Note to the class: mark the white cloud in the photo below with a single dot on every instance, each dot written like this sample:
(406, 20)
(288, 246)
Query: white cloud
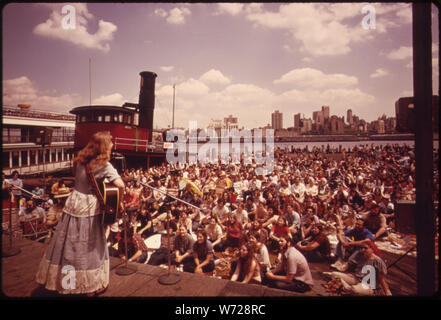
(253, 104)
(328, 29)
(175, 15)
(114, 99)
(319, 28)
(192, 88)
(379, 73)
(161, 12)
(253, 7)
(405, 14)
(22, 90)
(233, 8)
(313, 78)
(400, 54)
(167, 68)
(79, 35)
(307, 59)
(313, 89)
(214, 77)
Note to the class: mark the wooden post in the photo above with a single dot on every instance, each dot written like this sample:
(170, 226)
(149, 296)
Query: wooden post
(422, 84)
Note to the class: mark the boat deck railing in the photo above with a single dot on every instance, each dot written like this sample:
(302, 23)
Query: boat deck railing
(17, 112)
(133, 144)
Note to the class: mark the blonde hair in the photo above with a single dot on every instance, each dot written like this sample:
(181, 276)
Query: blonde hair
(97, 150)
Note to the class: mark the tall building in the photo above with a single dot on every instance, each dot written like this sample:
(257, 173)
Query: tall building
(381, 126)
(349, 117)
(318, 117)
(231, 122)
(337, 125)
(325, 110)
(306, 125)
(277, 120)
(298, 120)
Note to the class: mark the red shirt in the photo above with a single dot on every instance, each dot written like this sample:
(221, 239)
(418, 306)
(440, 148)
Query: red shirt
(280, 231)
(132, 199)
(234, 230)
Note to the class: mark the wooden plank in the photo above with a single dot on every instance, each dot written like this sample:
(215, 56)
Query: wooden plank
(189, 285)
(18, 272)
(18, 275)
(235, 289)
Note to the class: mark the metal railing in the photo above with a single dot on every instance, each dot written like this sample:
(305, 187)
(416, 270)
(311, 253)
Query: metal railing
(133, 144)
(14, 111)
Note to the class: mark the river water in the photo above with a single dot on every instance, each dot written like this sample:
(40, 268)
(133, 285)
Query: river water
(347, 144)
(333, 145)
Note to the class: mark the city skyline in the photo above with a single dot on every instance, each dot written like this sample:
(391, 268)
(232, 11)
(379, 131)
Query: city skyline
(242, 59)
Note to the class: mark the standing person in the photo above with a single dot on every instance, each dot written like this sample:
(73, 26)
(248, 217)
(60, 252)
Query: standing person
(293, 272)
(15, 181)
(79, 241)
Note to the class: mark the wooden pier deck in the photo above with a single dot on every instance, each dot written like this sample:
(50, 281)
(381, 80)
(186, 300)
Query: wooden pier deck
(18, 274)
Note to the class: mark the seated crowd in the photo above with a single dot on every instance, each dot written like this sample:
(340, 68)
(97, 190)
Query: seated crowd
(273, 225)
(287, 214)
(38, 211)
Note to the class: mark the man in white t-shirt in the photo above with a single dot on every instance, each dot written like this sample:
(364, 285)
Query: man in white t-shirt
(241, 214)
(298, 189)
(221, 211)
(214, 233)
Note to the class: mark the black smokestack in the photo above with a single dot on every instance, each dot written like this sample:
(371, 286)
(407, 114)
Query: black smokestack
(147, 100)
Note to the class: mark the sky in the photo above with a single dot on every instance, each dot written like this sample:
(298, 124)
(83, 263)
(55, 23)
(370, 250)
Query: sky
(245, 60)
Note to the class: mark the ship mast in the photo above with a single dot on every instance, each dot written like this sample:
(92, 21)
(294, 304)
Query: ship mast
(90, 81)
(173, 118)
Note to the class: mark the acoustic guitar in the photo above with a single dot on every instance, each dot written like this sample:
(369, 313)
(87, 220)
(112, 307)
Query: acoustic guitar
(112, 197)
(108, 195)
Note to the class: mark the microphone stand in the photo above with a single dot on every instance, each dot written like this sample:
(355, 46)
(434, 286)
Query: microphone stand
(11, 251)
(169, 278)
(125, 270)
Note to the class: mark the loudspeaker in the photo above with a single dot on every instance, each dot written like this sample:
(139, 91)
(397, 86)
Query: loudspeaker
(405, 216)
(43, 135)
